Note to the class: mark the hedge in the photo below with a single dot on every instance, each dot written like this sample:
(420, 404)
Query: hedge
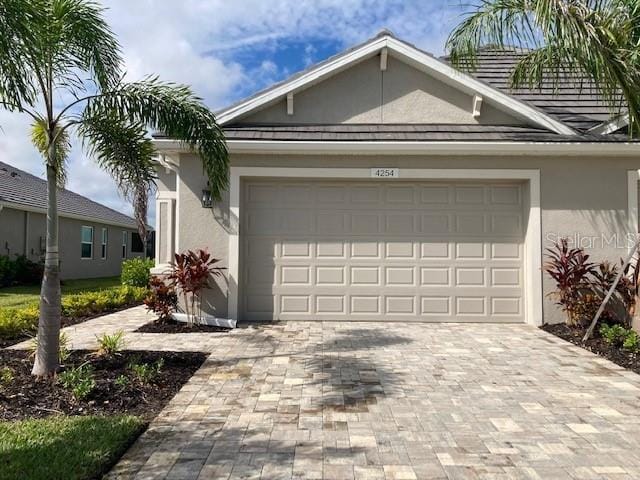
(16, 321)
(136, 272)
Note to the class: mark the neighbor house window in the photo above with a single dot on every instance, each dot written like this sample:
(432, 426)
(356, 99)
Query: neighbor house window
(87, 242)
(136, 243)
(103, 246)
(124, 244)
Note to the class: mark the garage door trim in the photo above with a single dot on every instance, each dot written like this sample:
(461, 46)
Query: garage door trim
(532, 243)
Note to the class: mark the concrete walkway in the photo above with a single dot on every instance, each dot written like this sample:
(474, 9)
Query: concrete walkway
(386, 401)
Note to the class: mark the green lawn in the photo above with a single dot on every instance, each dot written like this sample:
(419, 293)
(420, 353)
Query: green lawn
(64, 447)
(23, 296)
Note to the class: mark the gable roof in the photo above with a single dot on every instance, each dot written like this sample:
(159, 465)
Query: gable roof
(409, 54)
(575, 101)
(21, 189)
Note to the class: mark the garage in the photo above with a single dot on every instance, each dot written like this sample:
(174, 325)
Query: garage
(382, 250)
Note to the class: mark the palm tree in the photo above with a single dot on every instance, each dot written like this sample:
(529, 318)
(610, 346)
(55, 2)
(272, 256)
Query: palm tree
(61, 64)
(599, 39)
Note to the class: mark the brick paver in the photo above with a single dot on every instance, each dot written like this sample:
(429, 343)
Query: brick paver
(387, 401)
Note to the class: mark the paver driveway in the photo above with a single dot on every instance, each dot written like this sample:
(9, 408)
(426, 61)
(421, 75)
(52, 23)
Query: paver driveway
(371, 400)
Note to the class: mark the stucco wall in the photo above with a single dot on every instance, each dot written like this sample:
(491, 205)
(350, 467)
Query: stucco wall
(400, 94)
(12, 231)
(579, 198)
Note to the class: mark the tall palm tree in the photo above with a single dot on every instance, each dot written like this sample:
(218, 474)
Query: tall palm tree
(599, 39)
(61, 64)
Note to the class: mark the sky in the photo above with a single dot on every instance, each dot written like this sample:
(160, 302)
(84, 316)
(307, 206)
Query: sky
(227, 50)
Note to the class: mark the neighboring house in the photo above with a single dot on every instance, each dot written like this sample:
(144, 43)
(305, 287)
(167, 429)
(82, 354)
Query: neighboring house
(93, 239)
(383, 184)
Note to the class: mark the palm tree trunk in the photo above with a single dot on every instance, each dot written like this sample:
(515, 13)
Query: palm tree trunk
(46, 361)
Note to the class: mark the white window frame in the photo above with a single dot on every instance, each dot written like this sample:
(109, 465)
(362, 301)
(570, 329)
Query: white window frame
(104, 241)
(532, 243)
(82, 242)
(125, 235)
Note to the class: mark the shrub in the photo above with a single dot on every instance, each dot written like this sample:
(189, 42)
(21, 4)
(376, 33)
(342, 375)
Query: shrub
(570, 268)
(18, 321)
(122, 381)
(136, 272)
(79, 380)
(190, 273)
(21, 271)
(110, 345)
(91, 303)
(162, 299)
(146, 373)
(614, 334)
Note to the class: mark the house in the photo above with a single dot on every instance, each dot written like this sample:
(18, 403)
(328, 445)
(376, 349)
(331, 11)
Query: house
(94, 239)
(383, 184)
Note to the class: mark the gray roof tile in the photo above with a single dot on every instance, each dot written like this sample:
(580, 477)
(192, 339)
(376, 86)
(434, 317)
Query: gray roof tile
(22, 188)
(407, 132)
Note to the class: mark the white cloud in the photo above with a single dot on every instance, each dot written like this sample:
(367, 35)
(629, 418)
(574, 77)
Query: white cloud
(198, 42)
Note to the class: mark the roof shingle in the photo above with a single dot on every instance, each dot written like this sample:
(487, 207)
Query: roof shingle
(22, 188)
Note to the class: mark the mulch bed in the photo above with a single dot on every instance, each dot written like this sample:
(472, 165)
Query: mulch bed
(172, 326)
(64, 322)
(27, 397)
(597, 345)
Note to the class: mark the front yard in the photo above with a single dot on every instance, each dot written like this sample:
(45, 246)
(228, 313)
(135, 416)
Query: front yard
(25, 295)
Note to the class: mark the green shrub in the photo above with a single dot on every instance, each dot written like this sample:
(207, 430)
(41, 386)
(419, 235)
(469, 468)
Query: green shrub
(17, 321)
(20, 271)
(136, 272)
(92, 303)
(614, 334)
(79, 380)
(110, 345)
(122, 381)
(631, 342)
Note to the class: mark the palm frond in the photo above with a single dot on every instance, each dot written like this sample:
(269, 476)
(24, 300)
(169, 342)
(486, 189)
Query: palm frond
(564, 40)
(175, 111)
(79, 38)
(61, 145)
(17, 85)
(121, 148)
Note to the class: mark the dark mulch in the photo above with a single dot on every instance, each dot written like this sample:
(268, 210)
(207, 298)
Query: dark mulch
(597, 345)
(172, 326)
(27, 397)
(64, 322)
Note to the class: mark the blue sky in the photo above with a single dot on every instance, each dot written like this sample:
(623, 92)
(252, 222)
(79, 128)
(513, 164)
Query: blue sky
(229, 49)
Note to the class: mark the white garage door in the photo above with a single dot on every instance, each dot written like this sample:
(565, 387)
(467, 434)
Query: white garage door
(393, 250)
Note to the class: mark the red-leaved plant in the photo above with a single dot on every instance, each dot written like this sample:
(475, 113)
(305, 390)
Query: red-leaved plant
(162, 299)
(570, 268)
(190, 273)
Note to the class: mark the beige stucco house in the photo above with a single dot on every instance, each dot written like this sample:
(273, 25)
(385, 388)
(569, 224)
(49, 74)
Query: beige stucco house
(93, 239)
(383, 184)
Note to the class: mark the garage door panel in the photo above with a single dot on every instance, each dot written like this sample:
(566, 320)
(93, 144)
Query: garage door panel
(414, 251)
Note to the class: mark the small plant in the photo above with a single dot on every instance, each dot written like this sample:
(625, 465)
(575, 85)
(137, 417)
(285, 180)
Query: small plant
(146, 373)
(7, 376)
(162, 299)
(64, 350)
(109, 345)
(190, 273)
(136, 272)
(631, 342)
(79, 380)
(614, 334)
(122, 381)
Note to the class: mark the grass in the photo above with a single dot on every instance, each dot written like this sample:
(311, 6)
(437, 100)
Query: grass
(65, 447)
(26, 295)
